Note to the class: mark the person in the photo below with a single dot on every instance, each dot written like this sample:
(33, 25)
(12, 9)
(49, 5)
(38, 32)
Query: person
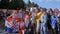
(8, 13)
(49, 14)
(54, 21)
(38, 14)
(43, 21)
(8, 24)
(21, 27)
(13, 24)
(32, 17)
(27, 21)
(16, 20)
(56, 10)
(20, 13)
(2, 16)
(58, 23)
(58, 14)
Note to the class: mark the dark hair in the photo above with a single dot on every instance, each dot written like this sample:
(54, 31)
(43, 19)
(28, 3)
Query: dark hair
(51, 10)
(44, 9)
(59, 17)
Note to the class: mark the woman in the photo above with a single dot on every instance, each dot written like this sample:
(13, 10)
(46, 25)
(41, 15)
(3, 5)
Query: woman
(49, 14)
(21, 27)
(26, 18)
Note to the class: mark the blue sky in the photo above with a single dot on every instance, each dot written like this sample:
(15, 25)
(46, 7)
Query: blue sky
(47, 3)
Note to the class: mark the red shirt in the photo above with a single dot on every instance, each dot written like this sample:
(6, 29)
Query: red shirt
(26, 17)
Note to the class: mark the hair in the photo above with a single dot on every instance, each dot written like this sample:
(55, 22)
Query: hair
(44, 9)
(59, 17)
(26, 12)
(51, 10)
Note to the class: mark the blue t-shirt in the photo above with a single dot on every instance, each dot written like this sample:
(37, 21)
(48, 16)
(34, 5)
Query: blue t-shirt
(20, 15)
(53, 21)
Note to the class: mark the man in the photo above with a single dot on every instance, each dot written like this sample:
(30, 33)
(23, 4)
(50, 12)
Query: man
(26, 19)
(43, 21)
(56, 10)
(54, 19)
(32, 17)
(8, 24)
(20, 13)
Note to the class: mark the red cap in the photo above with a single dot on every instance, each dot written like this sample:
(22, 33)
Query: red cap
(56, 9)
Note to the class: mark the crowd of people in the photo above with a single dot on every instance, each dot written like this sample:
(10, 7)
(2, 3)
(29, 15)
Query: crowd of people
(32, 20)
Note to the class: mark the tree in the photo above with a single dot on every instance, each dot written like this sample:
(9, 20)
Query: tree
(29, 3)
(4, 4)
(36, 5)
(12, 4)
(17, 4)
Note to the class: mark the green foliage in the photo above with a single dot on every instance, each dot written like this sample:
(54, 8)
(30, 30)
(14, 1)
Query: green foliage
(4, 3)
(13, 4)
(17, 4)
(29, 3)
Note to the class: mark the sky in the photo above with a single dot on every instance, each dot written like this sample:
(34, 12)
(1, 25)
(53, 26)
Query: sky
(47, 3)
